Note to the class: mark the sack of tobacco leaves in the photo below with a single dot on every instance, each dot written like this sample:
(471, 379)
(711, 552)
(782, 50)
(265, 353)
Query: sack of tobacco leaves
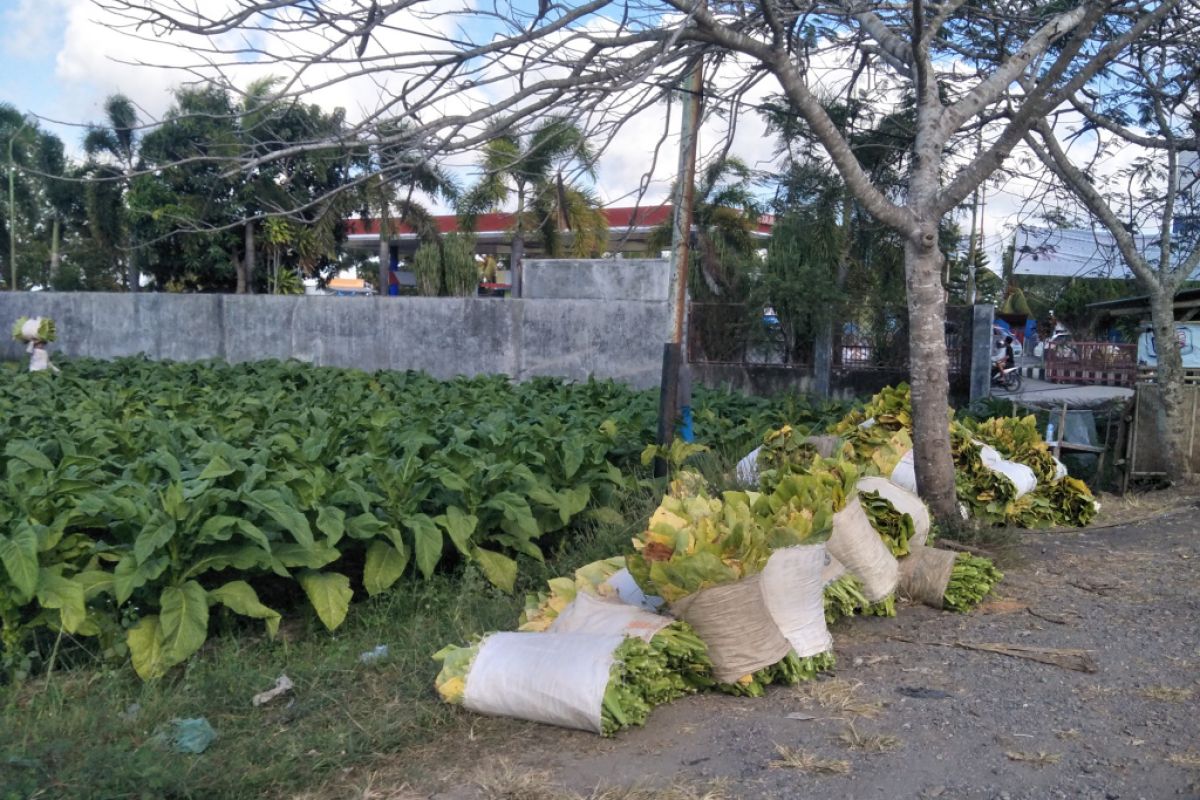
(597, 683)
(899, 516)
(945, 579)
(706, 557)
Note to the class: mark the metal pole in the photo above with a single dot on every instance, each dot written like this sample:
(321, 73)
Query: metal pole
(685, 191)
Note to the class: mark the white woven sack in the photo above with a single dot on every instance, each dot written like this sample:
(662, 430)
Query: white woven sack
(588, 614)
(1060, 469)
(628, 591)
(904, 474)
(746, 471)
(555, 678)
(902, 500)
(855, 543)
(832, 570)
(29, 331)
(793, 591)
(1021, 476)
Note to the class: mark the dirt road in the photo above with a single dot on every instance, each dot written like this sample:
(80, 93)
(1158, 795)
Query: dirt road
(912, 714)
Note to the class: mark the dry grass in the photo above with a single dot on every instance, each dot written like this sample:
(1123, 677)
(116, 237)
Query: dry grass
(1069, 733)
(1168, 694)
(840, 696)
(504, 782)
(1039, 759)
(1190, 759)
(808, 763)
(868, 742)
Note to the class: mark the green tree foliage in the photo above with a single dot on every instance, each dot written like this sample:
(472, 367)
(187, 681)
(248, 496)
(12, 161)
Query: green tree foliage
(532, 167)
(460, 273)
(427, 269)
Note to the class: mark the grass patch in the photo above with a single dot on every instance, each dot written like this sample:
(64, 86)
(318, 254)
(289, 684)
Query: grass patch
(504, 782)
(86, 733)
(808, 763)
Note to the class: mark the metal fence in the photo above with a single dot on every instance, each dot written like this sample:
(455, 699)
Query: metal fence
(1102, 363)
(871, 339)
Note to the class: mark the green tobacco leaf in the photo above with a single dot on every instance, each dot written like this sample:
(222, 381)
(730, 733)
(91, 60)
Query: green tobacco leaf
(517, 514)
(146, 648)
(572, 457)
(427, 542)
(183, 615)
(365, 526)
(217, 468)
(460, 525)
(329, 593)
(499, 569)
(55, 591)
(240, 598)
(23, 451)
(157, 532)
(95, 582)
(173, 501)
(242, 557)
(315, 557)
(384, 566)
(18, 553)
(291, 520)
(331, 522)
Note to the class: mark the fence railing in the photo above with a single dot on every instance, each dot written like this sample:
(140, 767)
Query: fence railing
(875, 339)
(1102, 363)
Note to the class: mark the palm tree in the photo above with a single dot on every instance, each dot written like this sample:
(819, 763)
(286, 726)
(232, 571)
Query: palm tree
(533, 168)
(112, 151)
(400, 173)
(724, 215)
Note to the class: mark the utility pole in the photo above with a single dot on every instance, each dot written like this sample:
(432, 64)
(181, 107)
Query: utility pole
(685, 189)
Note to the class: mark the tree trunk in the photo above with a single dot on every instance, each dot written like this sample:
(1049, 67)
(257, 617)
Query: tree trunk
(1170, 423)
(823, 342)
(55, 233)
(248, 276)
(929, 374)
(518, 244)
(385, 250)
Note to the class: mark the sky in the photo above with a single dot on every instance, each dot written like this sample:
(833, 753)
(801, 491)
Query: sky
(59, 60)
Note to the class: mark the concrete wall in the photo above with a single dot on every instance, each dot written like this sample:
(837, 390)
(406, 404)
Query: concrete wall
(597, 279)
(570, 338)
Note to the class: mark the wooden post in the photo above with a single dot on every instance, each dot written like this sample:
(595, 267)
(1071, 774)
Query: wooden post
(1061, 432)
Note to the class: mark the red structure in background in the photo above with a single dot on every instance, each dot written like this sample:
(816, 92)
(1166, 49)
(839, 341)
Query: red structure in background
(629, 229)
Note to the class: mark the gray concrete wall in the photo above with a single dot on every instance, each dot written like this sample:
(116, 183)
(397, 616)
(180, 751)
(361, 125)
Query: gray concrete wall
(570, 338)
(597, 279)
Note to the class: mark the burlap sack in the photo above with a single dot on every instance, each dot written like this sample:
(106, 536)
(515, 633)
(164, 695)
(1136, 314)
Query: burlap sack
(734, 622)
(855, 543)
(904, 501)
(925, 574)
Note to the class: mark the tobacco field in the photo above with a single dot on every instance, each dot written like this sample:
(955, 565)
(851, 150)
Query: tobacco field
(139, 500)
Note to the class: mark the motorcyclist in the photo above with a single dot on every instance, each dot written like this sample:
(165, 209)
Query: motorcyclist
(1003, 359)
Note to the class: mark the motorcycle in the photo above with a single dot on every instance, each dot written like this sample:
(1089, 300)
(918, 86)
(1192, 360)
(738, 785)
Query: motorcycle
(1007, 378)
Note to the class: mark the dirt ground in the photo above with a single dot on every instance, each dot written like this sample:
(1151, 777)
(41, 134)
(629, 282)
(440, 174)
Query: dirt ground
(911, 713)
